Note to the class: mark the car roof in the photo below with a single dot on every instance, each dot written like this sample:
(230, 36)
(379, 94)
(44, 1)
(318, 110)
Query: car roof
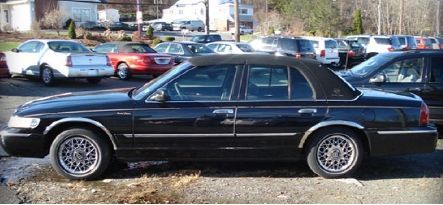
(317, 38)
(326, 81)
(228, 42)
(52, 40)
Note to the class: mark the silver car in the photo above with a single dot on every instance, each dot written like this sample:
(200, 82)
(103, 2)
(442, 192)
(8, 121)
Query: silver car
(192, 25)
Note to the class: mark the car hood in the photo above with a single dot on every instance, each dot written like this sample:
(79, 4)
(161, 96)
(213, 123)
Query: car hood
(79, 101)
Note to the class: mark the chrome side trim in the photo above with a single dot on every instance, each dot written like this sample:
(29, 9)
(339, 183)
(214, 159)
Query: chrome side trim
(265, 134)
(395, 132)
(7, 134)
(181, 135)
(80, 119)
(324, 124)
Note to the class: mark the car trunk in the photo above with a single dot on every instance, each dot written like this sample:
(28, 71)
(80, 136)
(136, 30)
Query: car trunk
(85, 59)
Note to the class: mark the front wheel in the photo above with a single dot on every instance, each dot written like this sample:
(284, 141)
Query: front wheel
(123, 72)
(334, 153)
(80, 154)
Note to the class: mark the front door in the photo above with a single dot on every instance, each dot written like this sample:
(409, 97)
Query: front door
(278, 106)
(196, 121)
(26, 60)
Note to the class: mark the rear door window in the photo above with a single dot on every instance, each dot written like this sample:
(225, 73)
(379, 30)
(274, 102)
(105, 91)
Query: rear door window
(436, 70)
(175, 49)
(267, 83)
(305, 46)
(162, 47)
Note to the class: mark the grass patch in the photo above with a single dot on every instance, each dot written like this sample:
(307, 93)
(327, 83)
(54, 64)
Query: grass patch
(247, 38)
(7, 46)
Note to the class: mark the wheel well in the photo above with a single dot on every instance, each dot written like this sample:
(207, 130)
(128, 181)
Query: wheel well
(361, 135)
(52, 134)
(42, 66)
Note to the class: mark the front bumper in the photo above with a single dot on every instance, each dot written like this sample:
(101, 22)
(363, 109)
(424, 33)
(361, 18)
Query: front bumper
(22, 143)
(398, 142)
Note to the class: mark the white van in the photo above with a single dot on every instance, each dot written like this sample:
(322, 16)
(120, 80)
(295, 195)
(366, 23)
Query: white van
(326, 50)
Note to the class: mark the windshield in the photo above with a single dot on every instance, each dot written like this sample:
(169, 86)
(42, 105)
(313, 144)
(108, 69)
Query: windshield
(67, 47)
(245, 48)
(198, 48)
(198, 38)
(370, 65)
(157, 82)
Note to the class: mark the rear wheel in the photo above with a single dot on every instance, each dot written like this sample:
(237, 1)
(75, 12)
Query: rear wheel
(80, 154)
(334, 153)
(93, 80)
(47, 76)
(200, 29)
(123, 71)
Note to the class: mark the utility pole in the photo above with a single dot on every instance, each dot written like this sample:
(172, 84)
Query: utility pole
(438, 17)
(237, 21)
(267, 19)
(156, 5)
(379, 18)
(207, 17)
(400, 23)
(139, 17)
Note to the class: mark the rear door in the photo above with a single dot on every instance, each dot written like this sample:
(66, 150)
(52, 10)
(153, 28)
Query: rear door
(433, 92)
(277, 105)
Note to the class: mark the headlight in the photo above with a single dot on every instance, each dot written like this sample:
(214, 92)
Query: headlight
(23, 122)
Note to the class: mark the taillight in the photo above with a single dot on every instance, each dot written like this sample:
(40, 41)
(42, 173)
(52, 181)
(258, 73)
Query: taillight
(424, 114)
(390, 49)
(69, 61)
(351, 53)
(297, 55)
(322, 53)
(108, 61)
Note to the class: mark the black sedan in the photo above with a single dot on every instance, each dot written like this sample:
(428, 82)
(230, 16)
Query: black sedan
(183, 50)
(223, 107)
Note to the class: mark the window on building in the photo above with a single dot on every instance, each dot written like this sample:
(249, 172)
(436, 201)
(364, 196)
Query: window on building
(244, 11)
(7, 16)
(81, 14)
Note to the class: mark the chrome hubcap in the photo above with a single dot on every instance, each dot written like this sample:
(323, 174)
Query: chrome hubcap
(78, 155)
(47, 75)
(122, 72)
(335, 153)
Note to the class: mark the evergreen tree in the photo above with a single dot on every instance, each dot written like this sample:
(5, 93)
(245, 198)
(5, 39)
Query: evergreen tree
(358, 23)
(71, 30)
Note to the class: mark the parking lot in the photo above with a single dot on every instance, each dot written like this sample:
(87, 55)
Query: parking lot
(405, 179)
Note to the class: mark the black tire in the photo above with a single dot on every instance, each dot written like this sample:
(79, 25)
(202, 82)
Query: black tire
(94, 142)
(199, 29)
(320, 140)
(123, 71)
(47, 76)
(94, 80)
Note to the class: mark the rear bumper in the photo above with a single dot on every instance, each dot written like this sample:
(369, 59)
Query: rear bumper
(397, 142)
(84, 72)
(17, 142)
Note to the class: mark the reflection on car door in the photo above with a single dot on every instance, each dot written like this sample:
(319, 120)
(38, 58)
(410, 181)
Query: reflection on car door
(277, 106)
(198, 117)
(403, 75)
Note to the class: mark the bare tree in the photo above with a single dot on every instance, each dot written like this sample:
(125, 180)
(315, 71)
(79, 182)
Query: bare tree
(53, 20)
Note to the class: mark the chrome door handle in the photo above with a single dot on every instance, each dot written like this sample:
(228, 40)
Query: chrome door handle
(223, 111)
(307, 111)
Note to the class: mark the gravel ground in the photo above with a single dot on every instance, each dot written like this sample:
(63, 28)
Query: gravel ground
(406, 179)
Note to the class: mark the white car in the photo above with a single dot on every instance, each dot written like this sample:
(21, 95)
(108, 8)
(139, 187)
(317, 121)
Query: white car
(326, 50)
(243, 30)
(227, 47)
(51, 59)
(382, 44)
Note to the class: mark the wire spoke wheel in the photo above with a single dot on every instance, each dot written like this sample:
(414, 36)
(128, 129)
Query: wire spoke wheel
(78, 155)
(336, 153)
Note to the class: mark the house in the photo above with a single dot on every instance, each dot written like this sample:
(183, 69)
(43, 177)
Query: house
(20, 14)
(221, 13)
(109, 15)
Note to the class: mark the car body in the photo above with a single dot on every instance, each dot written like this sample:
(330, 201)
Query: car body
(131, 58)
(52, 59)
(437, 43)
(183, 50)
(415, 71)
(407, 42)
(191, 25)
(381, 44)
(284, 46)
(92, 26)
(423, 42)
(162, 26)
(223, 107)
(117, 26)
(351, 52)
(4, 71)
(224, 47)
(243, 30)
(326, 50)
(206, 38)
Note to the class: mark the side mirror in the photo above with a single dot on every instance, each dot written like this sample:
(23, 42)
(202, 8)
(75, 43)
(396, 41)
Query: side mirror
(93, 50)
(160, 96)
(379, 78)
(15, 50)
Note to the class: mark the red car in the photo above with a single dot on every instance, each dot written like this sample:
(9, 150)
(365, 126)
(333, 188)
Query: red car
(4, 72)
(423, 43)
(131, 58)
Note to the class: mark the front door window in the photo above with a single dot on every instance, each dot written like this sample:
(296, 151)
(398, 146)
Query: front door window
(404, 71)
